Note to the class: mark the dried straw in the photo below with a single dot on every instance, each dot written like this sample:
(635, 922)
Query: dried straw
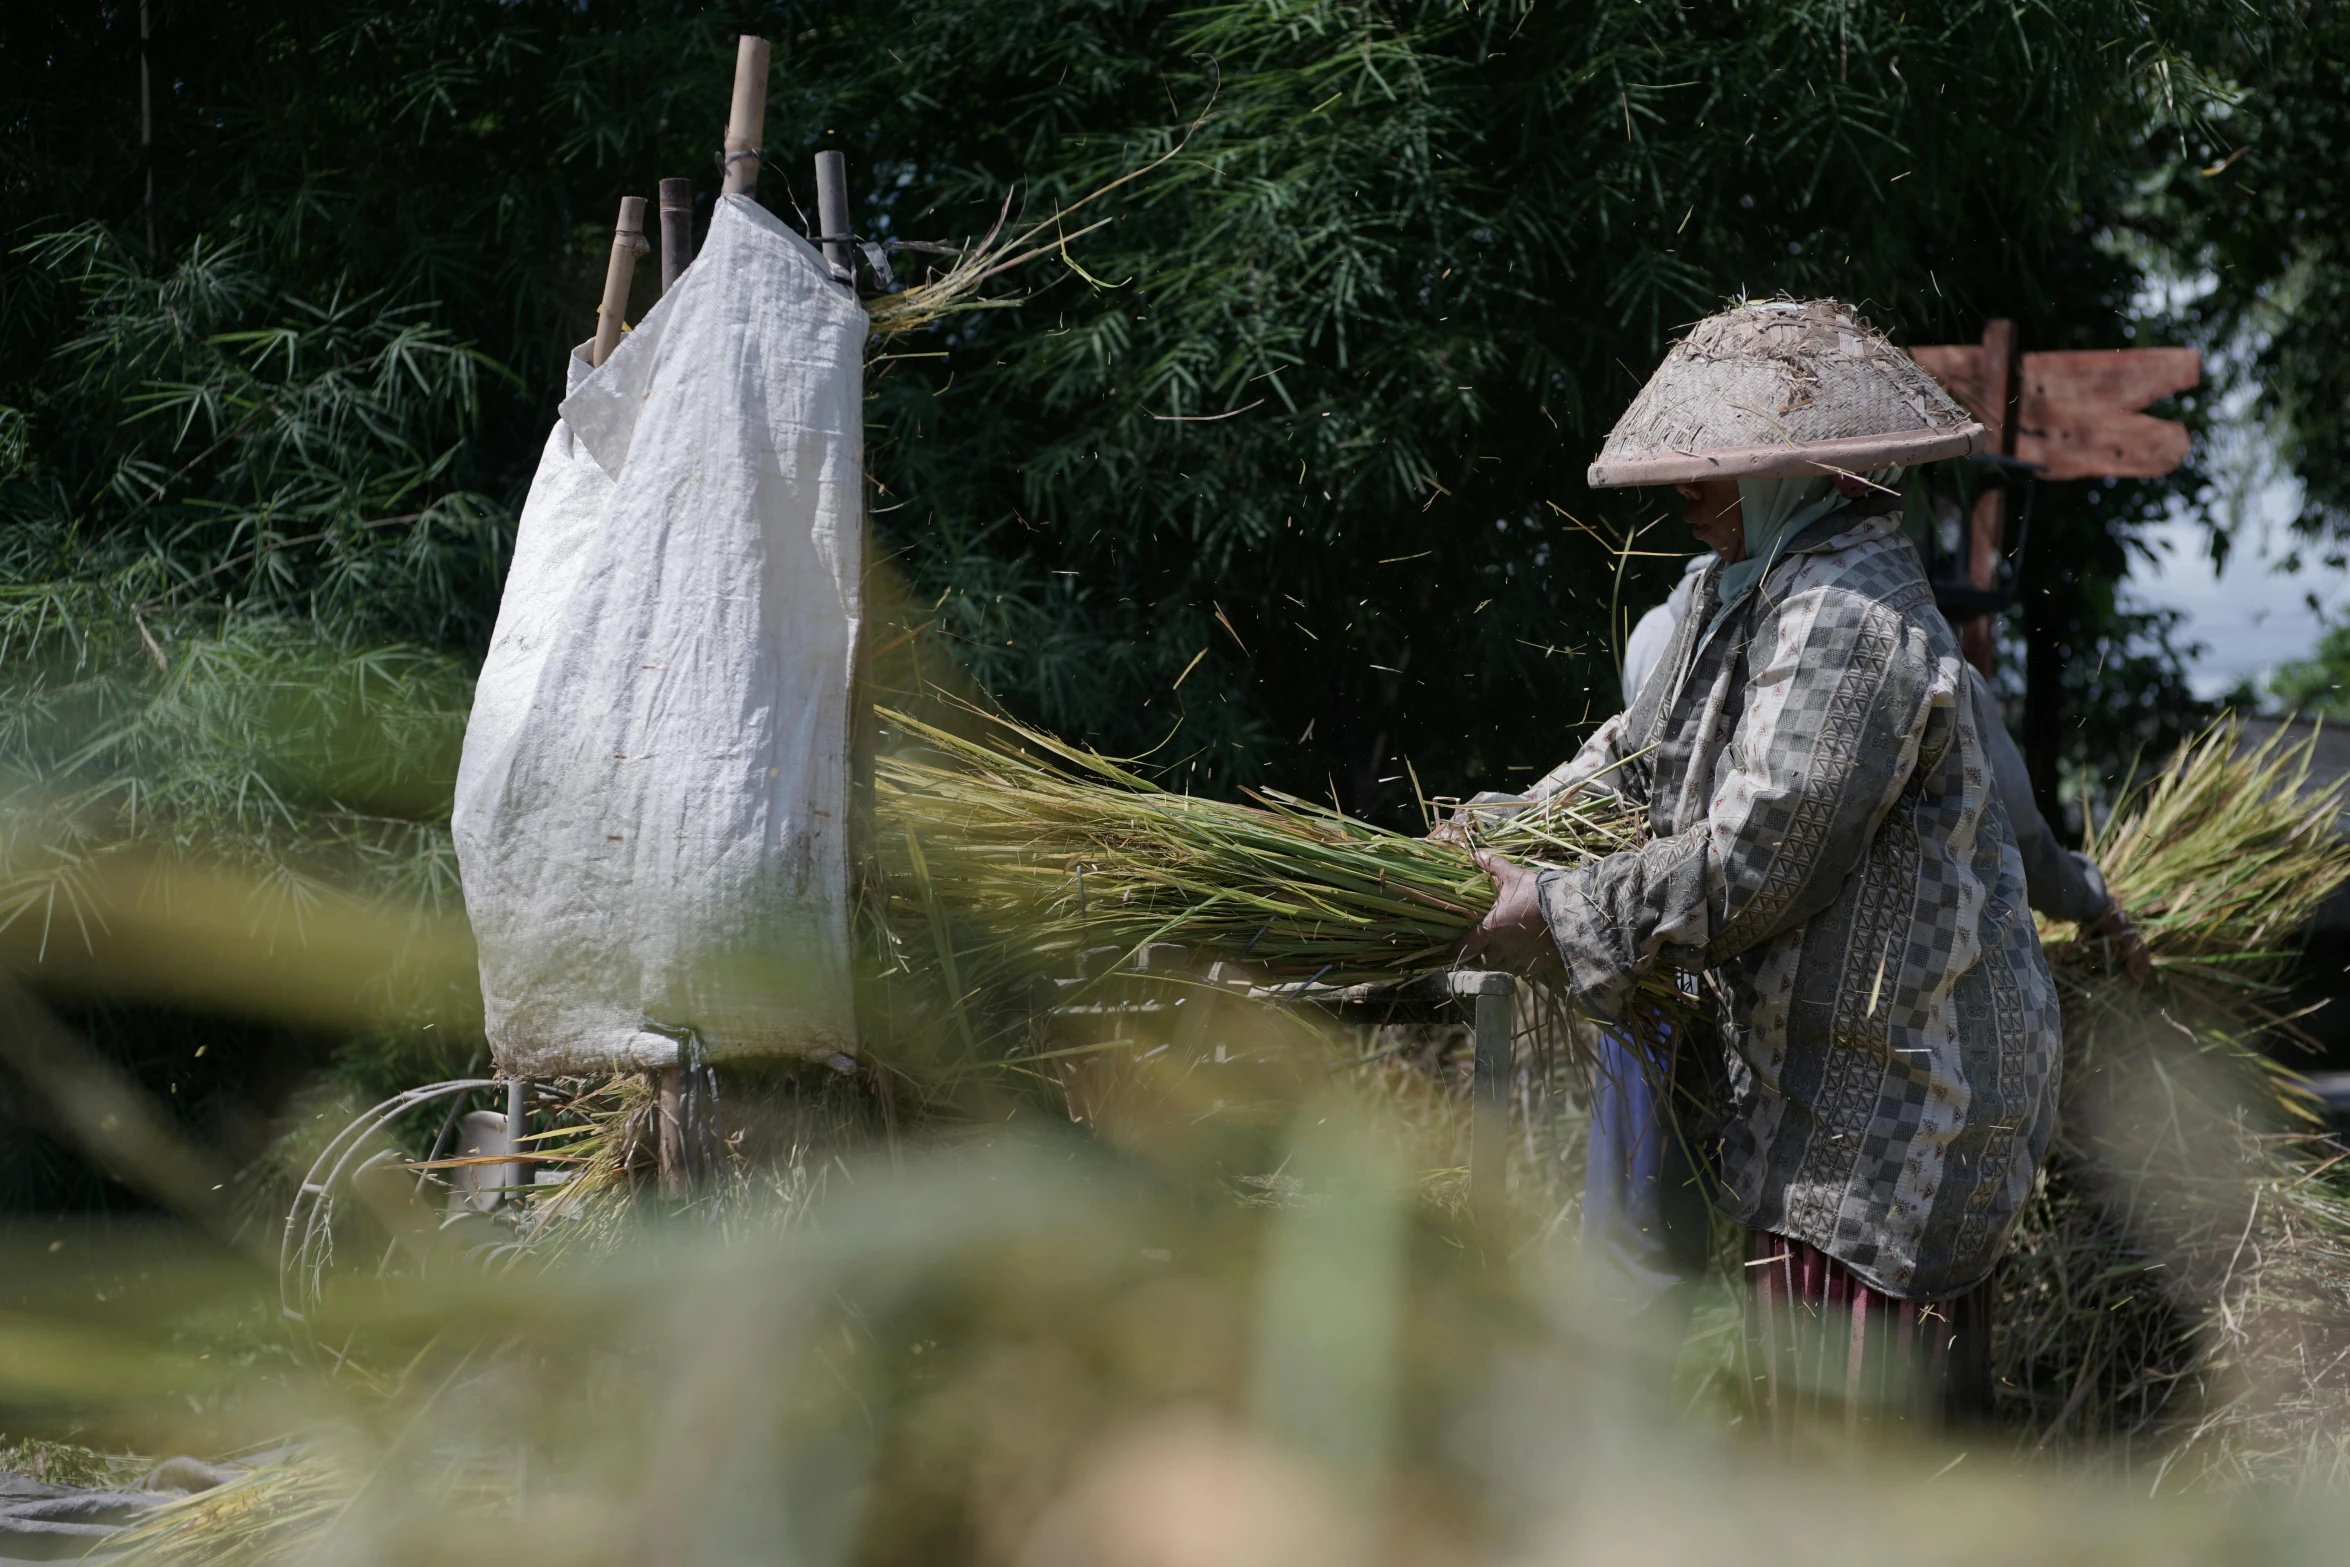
(278, 1513)
(962, 286)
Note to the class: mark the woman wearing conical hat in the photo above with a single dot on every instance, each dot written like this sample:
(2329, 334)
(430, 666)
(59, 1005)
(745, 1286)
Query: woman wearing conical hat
(1824, 847)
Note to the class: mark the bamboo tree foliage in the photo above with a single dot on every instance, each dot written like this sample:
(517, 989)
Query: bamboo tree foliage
(2253, 215)
(232, 557)
(228, 569)
(1319, 408)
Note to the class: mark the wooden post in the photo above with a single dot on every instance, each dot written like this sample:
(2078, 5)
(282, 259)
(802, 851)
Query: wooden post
(747, 124)
(628, 243)
(1496, 1019)
(832, 215)
(669, 1119)
(677, 229)
(1987, 534)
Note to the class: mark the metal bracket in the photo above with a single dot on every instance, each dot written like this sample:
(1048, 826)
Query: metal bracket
(1956, 595)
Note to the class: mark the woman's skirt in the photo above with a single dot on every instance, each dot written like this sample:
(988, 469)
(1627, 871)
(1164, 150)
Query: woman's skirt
(1822, 1344)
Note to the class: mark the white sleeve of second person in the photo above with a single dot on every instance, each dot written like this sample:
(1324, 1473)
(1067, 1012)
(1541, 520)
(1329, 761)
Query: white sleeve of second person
(1649, 639)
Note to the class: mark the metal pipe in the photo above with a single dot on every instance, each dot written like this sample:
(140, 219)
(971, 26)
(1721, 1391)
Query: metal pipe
(832, 215)
(677, 230)
(518, 1174)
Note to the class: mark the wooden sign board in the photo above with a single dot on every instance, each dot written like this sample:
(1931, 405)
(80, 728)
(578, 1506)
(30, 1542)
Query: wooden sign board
(2077, 413)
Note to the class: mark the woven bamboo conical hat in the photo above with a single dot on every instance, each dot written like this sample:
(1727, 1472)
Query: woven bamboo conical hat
(1782, 389)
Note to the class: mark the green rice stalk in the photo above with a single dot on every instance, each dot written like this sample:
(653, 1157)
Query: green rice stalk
(1047, 851)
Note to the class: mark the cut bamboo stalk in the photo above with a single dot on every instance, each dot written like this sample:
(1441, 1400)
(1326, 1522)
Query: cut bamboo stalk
(746, 125)
(832, 215)
(628, 243)
(677, 230)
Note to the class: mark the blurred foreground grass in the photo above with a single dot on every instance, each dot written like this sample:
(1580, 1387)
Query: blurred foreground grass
(1251, 1321)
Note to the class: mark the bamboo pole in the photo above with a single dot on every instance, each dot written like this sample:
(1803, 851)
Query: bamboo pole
(677, 230)
(746, 125)
(628, 243)
(676, 1179)
(832, 215)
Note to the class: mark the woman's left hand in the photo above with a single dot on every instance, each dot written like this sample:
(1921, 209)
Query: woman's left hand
(2123, 942)
(1513, 934)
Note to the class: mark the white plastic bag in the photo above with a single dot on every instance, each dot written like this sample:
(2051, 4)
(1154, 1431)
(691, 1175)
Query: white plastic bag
(652, 808)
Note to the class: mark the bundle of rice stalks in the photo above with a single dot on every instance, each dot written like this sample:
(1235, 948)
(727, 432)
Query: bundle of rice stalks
(2221, 860)
(1048, 851)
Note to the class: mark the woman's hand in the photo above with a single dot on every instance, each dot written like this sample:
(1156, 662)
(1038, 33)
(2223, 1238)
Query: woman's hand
(2122, 939)
(1513, 934)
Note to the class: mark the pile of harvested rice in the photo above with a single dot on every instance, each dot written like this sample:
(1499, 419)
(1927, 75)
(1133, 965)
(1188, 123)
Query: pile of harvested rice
(2178, 1293)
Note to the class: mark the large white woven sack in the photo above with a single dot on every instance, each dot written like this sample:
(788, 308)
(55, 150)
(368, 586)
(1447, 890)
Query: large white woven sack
(652, 809)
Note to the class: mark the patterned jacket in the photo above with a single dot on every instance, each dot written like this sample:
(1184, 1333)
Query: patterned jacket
(1825, 843)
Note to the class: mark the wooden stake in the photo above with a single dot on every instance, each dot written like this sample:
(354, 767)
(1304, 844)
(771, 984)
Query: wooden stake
(628, 243)
(677, 229)
(669, 1119)
(832, 215)
(747, 124)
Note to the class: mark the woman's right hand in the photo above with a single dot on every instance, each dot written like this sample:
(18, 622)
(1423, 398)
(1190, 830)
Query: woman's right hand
(1514, 934)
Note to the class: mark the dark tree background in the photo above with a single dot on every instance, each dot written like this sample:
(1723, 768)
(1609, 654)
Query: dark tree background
(1308, 420)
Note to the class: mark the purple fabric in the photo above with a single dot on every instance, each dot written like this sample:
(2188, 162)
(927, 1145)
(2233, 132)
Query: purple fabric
(1644, 1213)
